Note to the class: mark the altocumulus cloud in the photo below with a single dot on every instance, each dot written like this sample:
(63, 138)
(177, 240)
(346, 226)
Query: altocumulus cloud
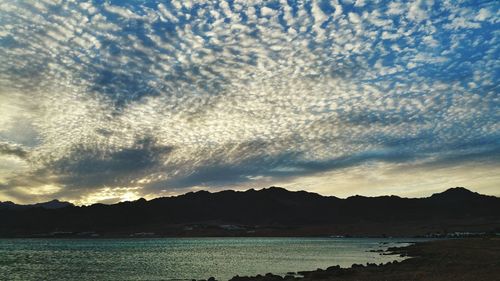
(111, 100)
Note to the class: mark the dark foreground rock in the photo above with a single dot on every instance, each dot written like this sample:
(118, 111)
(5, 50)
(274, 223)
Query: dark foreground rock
(444, 260)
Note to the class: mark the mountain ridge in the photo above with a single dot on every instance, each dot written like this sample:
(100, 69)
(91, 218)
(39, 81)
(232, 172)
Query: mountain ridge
(452, 190)
(266, 212)
(52, 204)
(449, 191)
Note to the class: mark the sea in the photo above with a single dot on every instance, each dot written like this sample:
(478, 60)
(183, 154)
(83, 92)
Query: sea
(182, 258)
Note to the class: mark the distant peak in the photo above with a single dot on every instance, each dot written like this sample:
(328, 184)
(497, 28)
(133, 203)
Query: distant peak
(53, 204)
(202, 192)
(7, 202)
(274, 188)
(455, 192)
(458, 189)
(196, 193)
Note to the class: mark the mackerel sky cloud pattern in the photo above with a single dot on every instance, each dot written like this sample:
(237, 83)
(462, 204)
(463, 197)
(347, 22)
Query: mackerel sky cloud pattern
(113, 100)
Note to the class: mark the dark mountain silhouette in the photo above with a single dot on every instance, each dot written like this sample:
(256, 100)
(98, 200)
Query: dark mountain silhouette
(457, 193)
(54, 204)
(272, 211)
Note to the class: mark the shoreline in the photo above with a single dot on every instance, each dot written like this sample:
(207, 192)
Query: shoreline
(410, 238)
(437, 260)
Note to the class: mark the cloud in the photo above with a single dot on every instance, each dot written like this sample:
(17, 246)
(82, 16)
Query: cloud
(84, 167)
(417, 10)
(138, 99)
(13, 149)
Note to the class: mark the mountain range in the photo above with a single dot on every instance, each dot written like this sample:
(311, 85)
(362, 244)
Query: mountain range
(271, 211)
(53, 204)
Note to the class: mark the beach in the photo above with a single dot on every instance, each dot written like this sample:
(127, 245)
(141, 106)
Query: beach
(441, 260)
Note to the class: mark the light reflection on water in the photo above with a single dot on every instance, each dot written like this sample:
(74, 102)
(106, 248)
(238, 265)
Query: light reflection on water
(180, 258)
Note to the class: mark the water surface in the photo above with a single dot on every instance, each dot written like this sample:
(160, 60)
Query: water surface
(180, 258)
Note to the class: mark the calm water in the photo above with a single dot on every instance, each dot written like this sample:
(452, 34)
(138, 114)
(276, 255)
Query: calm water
(172, 258)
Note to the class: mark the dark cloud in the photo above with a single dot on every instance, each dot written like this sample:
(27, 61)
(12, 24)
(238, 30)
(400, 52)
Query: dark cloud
(13, 149)
(287, 165)
(291, 165)
(95, 168)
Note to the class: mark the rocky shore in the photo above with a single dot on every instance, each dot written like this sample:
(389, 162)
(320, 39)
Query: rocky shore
(443, 260)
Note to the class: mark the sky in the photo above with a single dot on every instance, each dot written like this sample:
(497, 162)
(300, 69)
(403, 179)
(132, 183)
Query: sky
(106, 101)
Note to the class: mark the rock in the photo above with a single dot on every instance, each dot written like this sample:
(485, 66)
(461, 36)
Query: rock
(333, 268)
(270, 276)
